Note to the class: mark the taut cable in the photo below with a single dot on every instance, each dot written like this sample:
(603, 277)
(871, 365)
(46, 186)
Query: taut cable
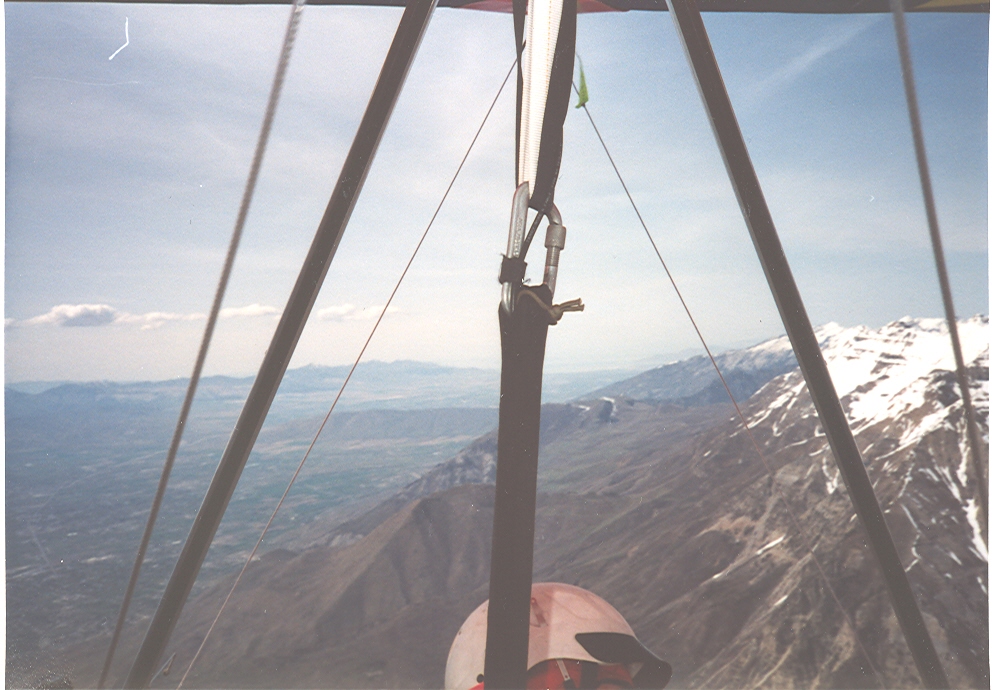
(344, 384)
(210, 325)
(744, 422)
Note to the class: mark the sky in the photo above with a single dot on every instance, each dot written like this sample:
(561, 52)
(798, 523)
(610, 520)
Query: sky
(124, 176)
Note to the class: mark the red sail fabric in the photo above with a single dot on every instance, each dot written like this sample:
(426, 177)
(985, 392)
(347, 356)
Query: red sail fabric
(584, 6)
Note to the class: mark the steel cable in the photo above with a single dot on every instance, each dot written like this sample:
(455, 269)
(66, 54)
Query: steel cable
(344, 384)
(744, 422)
(262, 142)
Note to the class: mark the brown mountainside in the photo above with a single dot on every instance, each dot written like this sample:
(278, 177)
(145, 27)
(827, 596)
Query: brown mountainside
(703, 549)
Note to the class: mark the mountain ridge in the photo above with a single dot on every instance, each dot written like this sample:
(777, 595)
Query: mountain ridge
(624, 482)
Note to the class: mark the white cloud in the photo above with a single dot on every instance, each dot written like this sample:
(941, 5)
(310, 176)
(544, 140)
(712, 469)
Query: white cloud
(250, 310)
(336, 313)
(106, 315)
(91, 315)
(349, 312)
(77, 315)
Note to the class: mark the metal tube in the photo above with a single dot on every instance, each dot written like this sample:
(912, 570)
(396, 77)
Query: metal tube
(297, 310)
(711, 88)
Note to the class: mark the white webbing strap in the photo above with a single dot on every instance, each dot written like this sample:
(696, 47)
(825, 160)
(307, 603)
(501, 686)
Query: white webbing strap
(542, 27)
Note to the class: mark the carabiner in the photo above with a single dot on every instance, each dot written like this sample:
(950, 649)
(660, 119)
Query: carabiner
(512, 267)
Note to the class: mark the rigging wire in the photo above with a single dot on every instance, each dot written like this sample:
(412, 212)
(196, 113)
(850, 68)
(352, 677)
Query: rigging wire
(529, 235)
(262, 142)
(973, 433)
(344, 384)
(744, 422)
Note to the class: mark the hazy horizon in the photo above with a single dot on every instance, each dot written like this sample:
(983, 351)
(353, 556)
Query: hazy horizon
(37, 385)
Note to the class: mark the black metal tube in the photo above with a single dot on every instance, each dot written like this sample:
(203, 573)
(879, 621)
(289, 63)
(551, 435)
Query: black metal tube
(276, 360)
(523, 346)
(973, 433)
(711, 88)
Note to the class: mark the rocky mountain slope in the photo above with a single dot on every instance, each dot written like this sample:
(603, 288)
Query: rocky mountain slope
(743, 570)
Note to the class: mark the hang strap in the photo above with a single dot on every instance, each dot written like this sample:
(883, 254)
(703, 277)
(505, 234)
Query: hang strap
(545, 94)
(551, 141)
(518, 9)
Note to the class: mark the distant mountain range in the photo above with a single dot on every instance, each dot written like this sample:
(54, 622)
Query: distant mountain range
(872, 364)
(695, 382)
(309, 390)
(653, 496)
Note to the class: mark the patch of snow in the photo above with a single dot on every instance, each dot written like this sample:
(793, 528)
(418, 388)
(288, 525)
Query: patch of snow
(962, 468)
(910, 518)
(831, 480)
(785, 400)
(929, 473)
(770, 545)
(971, 511)
(905, 483)
(927, 423)
(952, 486)
(915, 540)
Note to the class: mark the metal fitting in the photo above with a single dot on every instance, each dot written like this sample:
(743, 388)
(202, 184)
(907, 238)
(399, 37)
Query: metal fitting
(556, 234)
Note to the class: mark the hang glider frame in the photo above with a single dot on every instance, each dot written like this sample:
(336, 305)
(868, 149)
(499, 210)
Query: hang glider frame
(686, 14)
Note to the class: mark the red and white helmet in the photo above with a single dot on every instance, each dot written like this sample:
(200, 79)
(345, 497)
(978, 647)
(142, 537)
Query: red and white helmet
(565, 622)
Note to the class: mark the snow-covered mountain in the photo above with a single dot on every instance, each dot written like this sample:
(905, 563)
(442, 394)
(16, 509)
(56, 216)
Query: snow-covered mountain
(902, 399)
(898, 387)
(884, 373)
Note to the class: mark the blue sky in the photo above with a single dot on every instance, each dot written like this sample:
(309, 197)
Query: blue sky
(124, 177)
